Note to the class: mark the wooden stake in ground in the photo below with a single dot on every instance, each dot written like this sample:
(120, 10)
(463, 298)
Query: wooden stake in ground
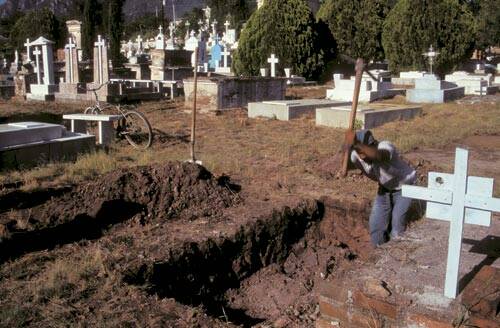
(352, 119)
(193, 122)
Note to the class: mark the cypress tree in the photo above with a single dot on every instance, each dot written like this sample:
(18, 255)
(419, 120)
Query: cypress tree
(115, 29)
(89, 26)
(414, 25)
(288, 29)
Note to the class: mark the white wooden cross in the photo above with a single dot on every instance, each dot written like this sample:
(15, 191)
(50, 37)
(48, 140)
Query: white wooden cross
(37, 54)
(456, 198)
(431, 54)
(161, 29)
(225, 53)
(100, 44)
(70, 46)
(28, 54)
(273, 61)
(226, 24)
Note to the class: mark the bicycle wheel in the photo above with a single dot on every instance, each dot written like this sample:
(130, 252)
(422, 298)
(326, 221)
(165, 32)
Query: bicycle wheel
(92, 110)
(136, 129)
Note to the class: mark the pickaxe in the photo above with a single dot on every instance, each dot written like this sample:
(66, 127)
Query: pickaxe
(360, 67)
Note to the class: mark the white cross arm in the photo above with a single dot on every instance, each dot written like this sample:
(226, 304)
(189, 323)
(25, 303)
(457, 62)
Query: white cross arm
(427, 194)
(482, 203)
(446, 197)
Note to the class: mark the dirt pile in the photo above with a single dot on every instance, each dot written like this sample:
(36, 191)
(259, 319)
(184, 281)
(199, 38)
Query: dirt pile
(164, 191)
(159, 192)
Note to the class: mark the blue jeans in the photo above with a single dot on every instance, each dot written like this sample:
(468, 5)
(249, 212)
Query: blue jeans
(388, 215)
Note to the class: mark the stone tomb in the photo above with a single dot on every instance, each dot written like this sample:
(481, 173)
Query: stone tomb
(29, 143)
(170, 64)
(285, 110)
(408, 78)
(45, 87)
(474, 84)
(219, 93)
(431, 90)
(367, 116)
(370, 90)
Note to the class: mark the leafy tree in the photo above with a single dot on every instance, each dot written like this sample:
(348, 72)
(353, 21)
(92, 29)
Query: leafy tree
(37, 23)
(356, 25)
(90, 22)
(115, 29)
(288, 29)
(414, 25)
(488, 24)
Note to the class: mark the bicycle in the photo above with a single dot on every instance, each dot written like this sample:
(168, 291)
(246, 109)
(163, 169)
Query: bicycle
(133, 126)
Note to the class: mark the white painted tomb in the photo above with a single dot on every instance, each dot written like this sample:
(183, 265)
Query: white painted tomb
(285, 110)
(27, 143)
(430, 89)
(474, 84)
(457, 198)
(368, 116)
(370, 89)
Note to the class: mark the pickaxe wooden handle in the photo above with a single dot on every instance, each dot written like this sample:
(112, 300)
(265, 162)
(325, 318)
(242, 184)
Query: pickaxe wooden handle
(352, 119)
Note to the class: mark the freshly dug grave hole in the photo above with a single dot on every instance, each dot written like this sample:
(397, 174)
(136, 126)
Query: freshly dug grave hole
(159, 192)
(267, 271)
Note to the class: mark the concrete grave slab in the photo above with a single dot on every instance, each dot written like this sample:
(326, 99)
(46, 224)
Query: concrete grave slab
(368, 116)
(285, 110)
(29, 143)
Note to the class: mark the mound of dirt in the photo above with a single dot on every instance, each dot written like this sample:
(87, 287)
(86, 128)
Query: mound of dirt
(163, 191)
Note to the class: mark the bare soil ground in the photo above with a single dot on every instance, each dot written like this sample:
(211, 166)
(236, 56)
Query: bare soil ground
(103, 242)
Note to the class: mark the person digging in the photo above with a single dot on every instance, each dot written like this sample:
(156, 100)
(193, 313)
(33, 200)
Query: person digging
(380, 162)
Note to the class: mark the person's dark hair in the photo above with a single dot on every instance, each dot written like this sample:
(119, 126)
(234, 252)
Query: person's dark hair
(366, 138)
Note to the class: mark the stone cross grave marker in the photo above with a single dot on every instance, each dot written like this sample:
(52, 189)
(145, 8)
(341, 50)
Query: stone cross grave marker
(214, 27)
(160, 39)
(171, 28)
(431, 54)
(70, 68)
(102, 59)
(139, 44)
(273, 61)
(459, 199)
(226, 24)
(28, 53)
(37, 54)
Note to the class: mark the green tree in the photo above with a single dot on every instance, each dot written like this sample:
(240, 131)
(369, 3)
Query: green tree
(236, 11)
(488, 24)
(90, 22)
(356, 25)
(115, 29)
(37, 23)
(288, 29)
(414, 25)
